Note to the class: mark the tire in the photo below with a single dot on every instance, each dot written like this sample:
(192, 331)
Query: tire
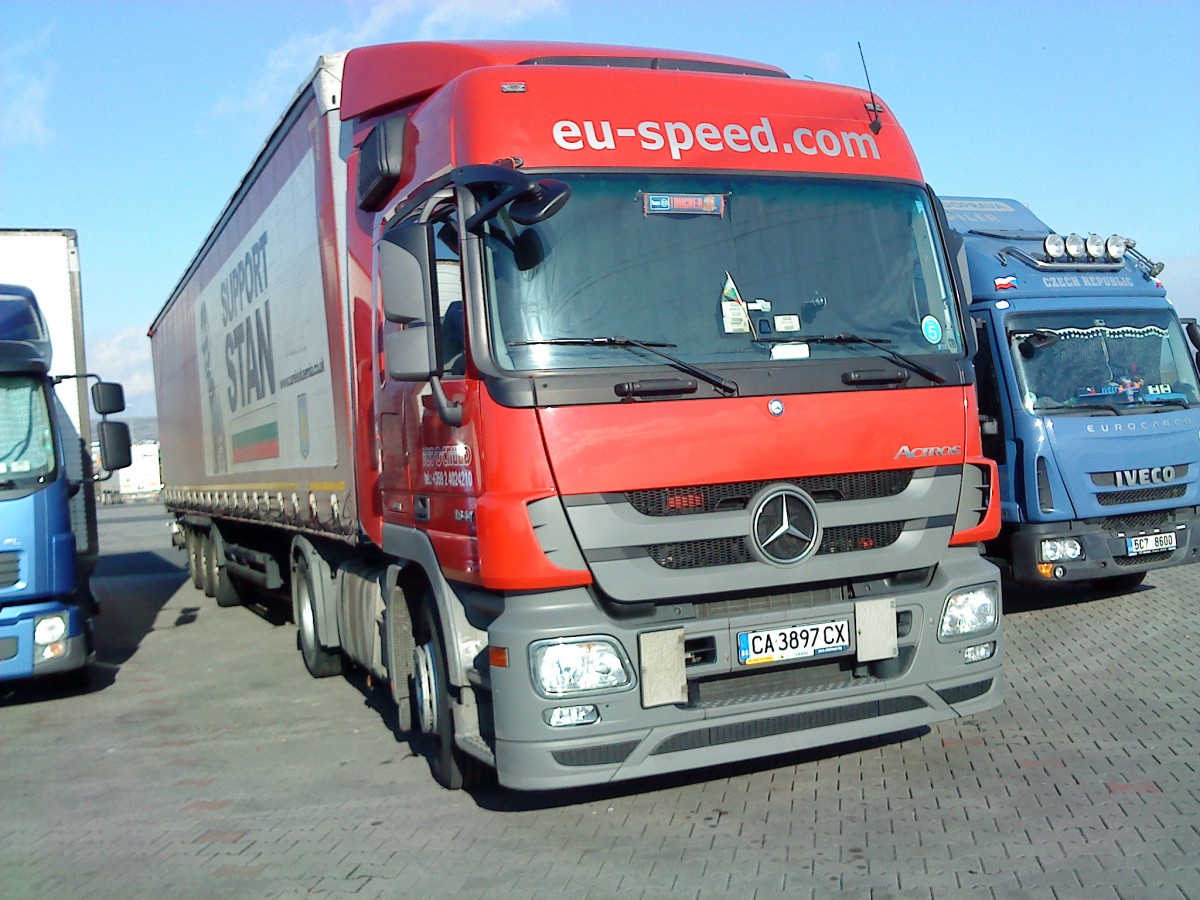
(1124, 582)
(451, 768)
(227, 592)
(208, 565)
(195, 558)
(320, 662)
(400, 649)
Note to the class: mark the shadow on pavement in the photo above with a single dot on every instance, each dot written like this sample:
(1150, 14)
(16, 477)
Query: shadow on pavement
(131, 589)
(1027, 598)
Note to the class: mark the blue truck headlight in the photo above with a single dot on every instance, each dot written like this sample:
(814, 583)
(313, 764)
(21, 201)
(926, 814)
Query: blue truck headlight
(49, 629)
(1058, 549)
(970, 611)
(577, 666)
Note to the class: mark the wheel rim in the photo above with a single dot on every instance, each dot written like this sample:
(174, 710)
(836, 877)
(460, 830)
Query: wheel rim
(426, 679)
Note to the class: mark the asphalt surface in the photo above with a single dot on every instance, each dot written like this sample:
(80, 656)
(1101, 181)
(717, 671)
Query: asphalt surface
(203, 761)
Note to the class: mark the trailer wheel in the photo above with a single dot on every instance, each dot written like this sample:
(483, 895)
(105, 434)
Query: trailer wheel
(320, 662)
(451, 768)
(195, 558)
(227, 593)
(208, 564)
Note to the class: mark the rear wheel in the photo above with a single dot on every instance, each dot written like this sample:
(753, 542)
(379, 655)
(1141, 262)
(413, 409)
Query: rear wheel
(227, 592)
(208, 564)
(195, 558)
(400, 650)
(320, 662)
(451, 768)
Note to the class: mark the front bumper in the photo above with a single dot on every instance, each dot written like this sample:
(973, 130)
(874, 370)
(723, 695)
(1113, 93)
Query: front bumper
(17, 645)
(732, 712)
(1105, 547)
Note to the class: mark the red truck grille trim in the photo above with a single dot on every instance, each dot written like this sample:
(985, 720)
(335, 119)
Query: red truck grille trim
(706, 498)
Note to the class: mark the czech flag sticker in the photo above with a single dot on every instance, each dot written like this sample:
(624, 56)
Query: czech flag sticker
(1007, 283)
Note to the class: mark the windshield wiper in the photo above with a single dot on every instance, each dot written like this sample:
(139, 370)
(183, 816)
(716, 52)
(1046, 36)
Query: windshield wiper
(849, 338)
(722, 384)
(1166, 401)
(1084, 408)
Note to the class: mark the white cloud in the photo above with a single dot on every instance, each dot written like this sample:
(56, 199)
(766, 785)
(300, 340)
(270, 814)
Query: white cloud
(124, 356)
(26, 76)
(383, 21)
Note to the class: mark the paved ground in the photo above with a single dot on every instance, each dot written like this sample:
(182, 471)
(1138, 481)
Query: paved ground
(204, 762)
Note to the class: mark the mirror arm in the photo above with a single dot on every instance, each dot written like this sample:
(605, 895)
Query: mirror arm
(451, 411)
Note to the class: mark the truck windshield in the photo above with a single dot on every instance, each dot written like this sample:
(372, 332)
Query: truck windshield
(721, 269)
(26, 439)
(1106, 362)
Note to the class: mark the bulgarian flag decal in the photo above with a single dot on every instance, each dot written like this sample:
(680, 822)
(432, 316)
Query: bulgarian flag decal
(260, 442)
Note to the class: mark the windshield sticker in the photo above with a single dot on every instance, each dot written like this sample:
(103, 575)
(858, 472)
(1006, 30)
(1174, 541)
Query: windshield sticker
(734, 316)
(789, 351)
(684, 204)
(1007, 283)
(931, 328)
(787, 323)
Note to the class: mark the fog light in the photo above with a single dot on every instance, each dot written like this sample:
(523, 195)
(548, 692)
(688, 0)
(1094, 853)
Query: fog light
(572, 715)
(1054, 246)
(979, 652)
(972, 610)
(1075, 246)
(577, 665)
(54, 650)
(1095, 246)
(49, 629)
(1115, 246)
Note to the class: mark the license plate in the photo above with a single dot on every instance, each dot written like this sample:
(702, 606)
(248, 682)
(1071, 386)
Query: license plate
(793, 642)
(1150, 543)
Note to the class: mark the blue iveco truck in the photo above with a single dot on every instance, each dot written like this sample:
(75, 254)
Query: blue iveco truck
(1088, 399)
(48, 544)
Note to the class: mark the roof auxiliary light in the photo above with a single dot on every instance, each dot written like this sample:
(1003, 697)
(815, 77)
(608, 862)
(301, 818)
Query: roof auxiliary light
(1115, 246)
(1075, 246)
(1054, 245)
(1095, 246)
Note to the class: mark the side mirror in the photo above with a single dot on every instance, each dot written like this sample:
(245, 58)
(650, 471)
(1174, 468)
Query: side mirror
(1039, 340)
(543, 199)
(108, 397)
(1193, 333)
(409, 296)
(116, 449)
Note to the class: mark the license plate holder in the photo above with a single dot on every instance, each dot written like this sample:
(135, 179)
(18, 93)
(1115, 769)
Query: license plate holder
(792, 642)
(1150, 543)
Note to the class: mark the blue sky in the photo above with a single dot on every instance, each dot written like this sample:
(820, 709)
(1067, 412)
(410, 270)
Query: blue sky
(132, 122)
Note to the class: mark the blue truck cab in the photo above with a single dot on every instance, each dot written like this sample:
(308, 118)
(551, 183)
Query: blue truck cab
(1088, 400)
(46, 607)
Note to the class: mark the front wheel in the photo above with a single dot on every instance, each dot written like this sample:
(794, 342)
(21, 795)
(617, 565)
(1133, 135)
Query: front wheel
(451, 768)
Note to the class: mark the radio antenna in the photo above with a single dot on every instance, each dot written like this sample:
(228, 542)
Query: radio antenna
(874, 109)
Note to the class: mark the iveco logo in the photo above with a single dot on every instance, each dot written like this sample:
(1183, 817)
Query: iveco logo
(783, 527)
(1131, 477)
(925, 452)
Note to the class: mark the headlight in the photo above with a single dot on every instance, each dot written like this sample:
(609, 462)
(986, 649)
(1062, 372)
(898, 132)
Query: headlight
(1075, 246)
(577, 666)
(1095, 246)
(1115, 246)
(972, 610)
(1056, 549)
(1054, 246)
(49, 629)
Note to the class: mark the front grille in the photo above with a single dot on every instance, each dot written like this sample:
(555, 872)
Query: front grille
(773, 684)
(706, 498)
(772, 603)
(716, 735)
(965, 692)
(1143, 559)
(600, 755)
(733, 550)
(1143, 495)
(10, 568)
(8, 648)
(1137, 521)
